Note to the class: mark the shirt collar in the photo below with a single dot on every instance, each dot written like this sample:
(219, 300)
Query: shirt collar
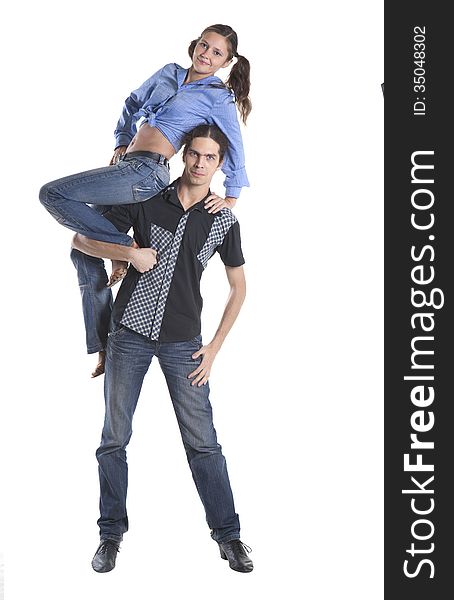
(182, 72)
(170, 194)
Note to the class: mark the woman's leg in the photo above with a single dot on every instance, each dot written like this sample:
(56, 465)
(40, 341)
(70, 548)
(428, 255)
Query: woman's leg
(96, 299)
(131, 180)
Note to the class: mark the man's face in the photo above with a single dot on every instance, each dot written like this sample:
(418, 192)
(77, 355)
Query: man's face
(201, 161)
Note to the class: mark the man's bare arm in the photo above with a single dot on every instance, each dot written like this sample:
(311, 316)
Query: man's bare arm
(142, 259)
(237, 294)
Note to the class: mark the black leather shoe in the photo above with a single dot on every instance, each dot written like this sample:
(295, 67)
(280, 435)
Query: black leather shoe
(236, 553)
(105, 557)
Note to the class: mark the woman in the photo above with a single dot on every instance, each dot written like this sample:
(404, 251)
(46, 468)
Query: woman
(172, 102)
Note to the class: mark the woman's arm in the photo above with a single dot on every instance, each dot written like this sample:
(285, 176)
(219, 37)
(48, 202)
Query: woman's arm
(126, 126)
(224, 115)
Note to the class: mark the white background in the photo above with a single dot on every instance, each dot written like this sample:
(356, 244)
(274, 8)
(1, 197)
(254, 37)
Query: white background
(297, 387)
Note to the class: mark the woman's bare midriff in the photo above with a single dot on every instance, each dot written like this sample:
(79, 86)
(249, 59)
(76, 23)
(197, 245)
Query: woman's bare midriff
(151, 139)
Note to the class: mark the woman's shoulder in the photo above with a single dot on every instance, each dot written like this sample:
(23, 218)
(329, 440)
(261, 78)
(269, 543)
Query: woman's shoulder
(225, 98)
(224, 93)
(170, 69)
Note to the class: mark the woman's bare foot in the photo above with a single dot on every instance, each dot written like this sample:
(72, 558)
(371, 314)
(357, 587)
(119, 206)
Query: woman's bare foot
(99, 369)
(119, 272)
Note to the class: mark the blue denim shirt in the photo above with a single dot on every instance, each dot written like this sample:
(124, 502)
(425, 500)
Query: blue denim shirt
(173, 107)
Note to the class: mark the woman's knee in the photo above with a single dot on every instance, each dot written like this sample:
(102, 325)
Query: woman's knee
(44, 194)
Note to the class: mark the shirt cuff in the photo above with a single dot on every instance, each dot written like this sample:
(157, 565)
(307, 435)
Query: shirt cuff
(232, 192)
(122, 139)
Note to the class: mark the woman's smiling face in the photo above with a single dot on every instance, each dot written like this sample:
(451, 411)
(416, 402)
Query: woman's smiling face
(211, 53)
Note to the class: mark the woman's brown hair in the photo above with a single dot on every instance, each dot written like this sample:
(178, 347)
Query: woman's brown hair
(239, 78)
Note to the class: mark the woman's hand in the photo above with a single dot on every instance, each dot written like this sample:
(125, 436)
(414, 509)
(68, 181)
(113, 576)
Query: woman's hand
(215, 203)
(118, 153)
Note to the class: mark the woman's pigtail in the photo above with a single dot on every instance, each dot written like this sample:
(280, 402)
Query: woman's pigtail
(239, 82)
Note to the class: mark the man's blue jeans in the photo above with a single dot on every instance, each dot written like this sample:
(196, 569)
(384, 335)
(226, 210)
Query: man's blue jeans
(129, 355)
(134, 179)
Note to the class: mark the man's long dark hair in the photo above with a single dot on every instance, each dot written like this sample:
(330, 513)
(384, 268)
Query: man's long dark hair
(207, 131)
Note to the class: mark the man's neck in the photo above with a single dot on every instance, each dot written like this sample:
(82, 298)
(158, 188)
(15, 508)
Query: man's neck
(189, 194)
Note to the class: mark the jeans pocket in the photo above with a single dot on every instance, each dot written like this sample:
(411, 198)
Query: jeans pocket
(118, 329)
(162, 176)
(135, 164)
(150, 185)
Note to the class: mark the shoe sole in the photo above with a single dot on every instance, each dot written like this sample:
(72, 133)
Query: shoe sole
(102, 570)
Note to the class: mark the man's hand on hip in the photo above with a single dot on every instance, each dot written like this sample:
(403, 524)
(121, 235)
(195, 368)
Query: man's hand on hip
(202, 372)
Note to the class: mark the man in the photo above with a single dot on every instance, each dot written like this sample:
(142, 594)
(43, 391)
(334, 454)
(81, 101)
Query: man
(157, 313)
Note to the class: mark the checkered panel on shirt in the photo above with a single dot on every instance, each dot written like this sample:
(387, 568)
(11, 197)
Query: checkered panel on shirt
(141, 308)
(171, 262)
(221, 225)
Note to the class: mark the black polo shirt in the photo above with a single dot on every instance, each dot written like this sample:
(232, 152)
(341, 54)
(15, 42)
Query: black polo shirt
(165, 303)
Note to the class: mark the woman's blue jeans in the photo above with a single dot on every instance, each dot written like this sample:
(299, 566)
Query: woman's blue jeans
(129, 355)
(134, 179)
